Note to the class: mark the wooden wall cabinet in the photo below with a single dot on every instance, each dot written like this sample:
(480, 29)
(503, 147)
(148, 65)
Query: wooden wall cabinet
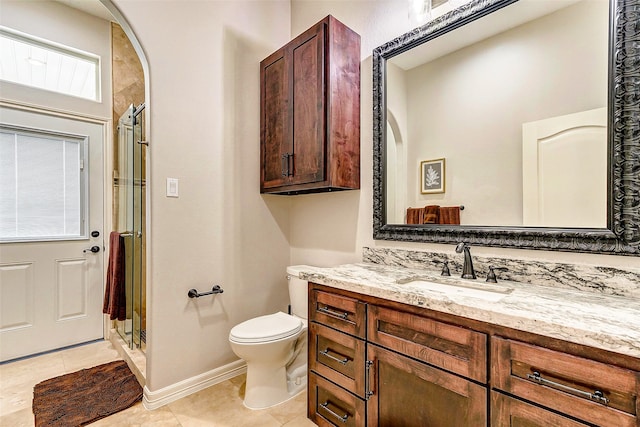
(310, 112)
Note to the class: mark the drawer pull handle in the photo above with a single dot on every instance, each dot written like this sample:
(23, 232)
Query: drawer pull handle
(342, 361)
(368, 392)
(330, 312)
(342, 418)
(597, 395)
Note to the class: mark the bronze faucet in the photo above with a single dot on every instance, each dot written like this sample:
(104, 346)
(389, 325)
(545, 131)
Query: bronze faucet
(467, 269)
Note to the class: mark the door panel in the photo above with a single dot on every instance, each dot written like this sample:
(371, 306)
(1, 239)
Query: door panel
(274, 120)
(436, 398)
(51, 289)
(71, 285)
(308, 110)
(16, 296)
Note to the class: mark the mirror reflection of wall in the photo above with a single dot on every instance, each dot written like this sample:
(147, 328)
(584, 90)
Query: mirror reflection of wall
(396, 185)
(469, 106)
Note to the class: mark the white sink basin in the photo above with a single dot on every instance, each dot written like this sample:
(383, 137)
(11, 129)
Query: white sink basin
(486, 292)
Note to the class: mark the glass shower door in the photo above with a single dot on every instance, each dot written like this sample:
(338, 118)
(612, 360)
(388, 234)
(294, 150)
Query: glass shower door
(130, 222)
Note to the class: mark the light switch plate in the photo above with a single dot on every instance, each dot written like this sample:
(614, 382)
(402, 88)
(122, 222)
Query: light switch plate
(172, 187)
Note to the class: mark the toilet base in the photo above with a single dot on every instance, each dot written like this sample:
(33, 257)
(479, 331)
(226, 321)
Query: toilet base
(268, 385)
(262, 392)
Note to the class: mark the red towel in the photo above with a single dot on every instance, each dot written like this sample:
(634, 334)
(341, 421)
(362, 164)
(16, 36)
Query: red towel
(431, 214)
(415, 215)
(115, 300)
(450, 215)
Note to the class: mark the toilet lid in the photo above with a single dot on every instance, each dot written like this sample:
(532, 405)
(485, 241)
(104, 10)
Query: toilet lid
(266, 328)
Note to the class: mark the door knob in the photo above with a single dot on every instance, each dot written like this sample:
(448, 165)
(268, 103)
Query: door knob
(93, 249)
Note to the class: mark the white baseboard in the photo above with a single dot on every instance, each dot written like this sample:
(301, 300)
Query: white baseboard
(155, 399)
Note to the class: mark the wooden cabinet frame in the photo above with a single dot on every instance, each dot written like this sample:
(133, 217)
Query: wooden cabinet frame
(503, 365)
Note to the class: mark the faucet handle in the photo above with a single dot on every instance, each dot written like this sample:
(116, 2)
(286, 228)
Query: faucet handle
(491, 276)
(461, 246)
(445, 269)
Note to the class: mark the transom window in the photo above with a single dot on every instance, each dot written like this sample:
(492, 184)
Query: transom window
(46, 65)
(42, 185)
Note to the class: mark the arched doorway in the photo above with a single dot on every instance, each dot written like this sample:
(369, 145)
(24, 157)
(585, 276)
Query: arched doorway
(48, 24)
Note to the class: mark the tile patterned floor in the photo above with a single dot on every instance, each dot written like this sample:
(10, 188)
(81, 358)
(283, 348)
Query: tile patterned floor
(216, 406)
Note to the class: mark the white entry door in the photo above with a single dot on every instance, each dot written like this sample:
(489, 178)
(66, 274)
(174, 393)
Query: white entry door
(51, 217)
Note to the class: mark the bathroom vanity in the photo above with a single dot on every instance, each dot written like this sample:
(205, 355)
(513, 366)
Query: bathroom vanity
(387, 349)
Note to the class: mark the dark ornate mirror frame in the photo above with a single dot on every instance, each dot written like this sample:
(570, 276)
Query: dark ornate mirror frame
(622, 235)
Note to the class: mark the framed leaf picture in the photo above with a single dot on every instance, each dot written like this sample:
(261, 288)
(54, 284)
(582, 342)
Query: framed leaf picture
(432, 175)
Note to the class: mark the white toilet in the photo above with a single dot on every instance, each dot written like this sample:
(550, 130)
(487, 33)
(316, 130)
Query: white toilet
(275, 349)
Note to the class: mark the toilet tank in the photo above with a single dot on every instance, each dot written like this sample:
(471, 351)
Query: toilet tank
(297, 291)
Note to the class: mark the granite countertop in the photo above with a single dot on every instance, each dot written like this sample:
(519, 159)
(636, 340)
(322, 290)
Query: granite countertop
(602, 321)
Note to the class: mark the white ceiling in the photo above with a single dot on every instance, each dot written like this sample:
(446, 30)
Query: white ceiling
(495, 23)
(92, 7)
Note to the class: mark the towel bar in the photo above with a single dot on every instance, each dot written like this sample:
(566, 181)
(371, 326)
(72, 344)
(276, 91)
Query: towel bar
(193, 293)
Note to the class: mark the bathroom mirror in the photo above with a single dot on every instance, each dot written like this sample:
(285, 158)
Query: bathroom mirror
(456, 89)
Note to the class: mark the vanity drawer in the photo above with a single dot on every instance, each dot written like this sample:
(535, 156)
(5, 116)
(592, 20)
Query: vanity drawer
(329, 405)
(338, 357)
(595, 392)
(509, 412)
(339, 312)
(452, 348)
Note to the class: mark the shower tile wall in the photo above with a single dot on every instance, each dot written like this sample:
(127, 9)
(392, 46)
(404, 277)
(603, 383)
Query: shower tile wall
(128, 88)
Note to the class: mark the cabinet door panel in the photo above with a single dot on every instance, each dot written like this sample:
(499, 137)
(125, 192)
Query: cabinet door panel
(274, 120)
(407, 393)
(509, 412)
(449, 347)
(308, 109)
(596, 392)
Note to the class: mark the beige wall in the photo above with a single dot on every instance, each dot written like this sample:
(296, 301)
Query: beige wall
(56, 22)
(203, 59)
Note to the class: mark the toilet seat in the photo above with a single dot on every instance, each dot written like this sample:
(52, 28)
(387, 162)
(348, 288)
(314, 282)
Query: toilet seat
(267, 328)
